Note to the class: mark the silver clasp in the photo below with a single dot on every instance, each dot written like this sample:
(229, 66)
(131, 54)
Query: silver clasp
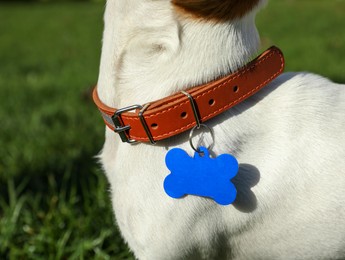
(119, 127)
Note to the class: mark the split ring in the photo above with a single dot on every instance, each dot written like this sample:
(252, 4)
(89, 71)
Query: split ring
(191, 134)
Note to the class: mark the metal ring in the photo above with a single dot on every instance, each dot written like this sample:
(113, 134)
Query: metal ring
(191, 137)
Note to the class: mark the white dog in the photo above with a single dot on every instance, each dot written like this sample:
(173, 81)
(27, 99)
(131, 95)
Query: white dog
(288, 138)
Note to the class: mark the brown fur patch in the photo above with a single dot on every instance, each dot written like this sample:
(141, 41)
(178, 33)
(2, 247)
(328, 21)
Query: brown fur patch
(221, 10)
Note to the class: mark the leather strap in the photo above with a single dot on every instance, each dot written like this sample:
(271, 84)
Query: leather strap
(174, 114)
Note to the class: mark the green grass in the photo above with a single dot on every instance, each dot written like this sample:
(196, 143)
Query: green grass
(54, 200)
(310, 32)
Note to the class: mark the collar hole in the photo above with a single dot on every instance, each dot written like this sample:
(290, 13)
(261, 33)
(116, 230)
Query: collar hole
(184, 115)
(154, 126)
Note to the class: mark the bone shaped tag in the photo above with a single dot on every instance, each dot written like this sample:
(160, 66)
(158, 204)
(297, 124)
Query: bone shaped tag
(201, 175)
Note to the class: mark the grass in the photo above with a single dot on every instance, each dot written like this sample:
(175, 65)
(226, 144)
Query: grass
(310, 34)
(54, 202)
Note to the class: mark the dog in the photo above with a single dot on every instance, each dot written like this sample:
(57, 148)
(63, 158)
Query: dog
(288, 138)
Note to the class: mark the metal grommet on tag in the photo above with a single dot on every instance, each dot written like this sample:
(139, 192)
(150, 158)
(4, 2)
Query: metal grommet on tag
(191, 134)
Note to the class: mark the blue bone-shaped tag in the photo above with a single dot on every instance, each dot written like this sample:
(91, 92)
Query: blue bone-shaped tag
(201, 175)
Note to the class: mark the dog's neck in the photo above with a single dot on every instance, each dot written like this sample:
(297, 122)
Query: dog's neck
(150, 50)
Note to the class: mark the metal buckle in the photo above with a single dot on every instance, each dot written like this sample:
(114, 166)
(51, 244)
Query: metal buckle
(119, 127)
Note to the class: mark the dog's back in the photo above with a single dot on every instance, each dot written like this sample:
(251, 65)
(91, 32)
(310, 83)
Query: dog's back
(299, 150)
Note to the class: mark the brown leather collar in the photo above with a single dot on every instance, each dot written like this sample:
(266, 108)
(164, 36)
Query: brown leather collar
(174, 114)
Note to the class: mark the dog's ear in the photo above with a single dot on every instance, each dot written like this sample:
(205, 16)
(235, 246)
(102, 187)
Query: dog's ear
(221, 10)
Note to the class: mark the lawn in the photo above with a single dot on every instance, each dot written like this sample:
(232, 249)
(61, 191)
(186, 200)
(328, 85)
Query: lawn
(310, 32)
(54, 201)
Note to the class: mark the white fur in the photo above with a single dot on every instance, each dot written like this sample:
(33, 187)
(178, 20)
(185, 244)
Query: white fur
(289, 140)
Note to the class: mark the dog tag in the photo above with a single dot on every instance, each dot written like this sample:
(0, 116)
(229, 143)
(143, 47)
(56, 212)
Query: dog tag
(201, 175)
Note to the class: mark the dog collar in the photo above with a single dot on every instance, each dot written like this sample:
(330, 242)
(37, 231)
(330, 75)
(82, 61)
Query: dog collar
(173, 115)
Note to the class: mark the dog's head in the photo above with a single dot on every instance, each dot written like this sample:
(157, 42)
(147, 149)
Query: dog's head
(219, 10)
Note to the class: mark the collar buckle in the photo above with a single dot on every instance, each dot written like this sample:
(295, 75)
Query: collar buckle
(119, 127)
